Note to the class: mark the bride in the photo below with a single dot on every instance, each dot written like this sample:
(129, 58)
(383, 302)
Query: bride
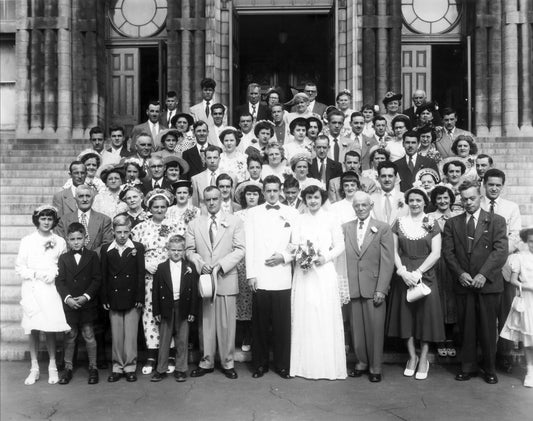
(317, 342)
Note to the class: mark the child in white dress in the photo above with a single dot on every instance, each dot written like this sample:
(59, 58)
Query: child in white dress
(42, 310)
(519, 324)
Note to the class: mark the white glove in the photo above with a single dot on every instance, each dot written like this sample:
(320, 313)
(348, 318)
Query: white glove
(151, 267)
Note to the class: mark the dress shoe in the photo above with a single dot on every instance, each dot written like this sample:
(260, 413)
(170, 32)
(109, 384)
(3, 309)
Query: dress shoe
(260, 372)
(356, 372)
(114, 377)
(199, 372)
(374, 377)
(66, 377)
(410, 372)
(463, 377)
(102, 365)
(93, 376)
(284, 373)
(148, 366)
(422, 375)
(157, 376)
(490, 378)
(180, 376)
(131, 377)
(230, 373)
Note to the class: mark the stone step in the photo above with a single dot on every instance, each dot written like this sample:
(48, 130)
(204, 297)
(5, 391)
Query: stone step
(9, 277)
(26, 198)
(9, 246)
(20, 208)
(8, 261)
(61, 153)
(29, 189)
(10, 312)
(36, 173)
(43, 167)
(527, 221)
(17, 351)
(12, 332)
(42, 182)
(525, 189)
(16, 232)
(35, 159)
(10, 294)
(15, 220)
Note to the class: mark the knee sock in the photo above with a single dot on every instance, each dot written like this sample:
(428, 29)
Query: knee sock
(34, 365)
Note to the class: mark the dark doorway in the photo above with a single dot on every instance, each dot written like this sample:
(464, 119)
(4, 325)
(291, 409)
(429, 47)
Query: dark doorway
(148, 78)
(449, 79)
(284, 51)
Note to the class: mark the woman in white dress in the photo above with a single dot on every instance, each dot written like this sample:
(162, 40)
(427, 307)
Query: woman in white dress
(232, 161)
(42, 310)
(317, 338)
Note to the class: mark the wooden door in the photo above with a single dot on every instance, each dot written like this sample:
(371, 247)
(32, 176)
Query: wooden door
(416, 71)
(123, 94)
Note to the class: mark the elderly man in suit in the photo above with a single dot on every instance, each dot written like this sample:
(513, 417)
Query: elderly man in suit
(419, 97)
(268, 229)
(156, 179)
(171, 109)
(339, 145)
(152, 126)
(370, 264)
(362, 143)
(64, 200)
(412, 162)
(389, 202)
(451, 132)
(253, 106)
(206, 178)
(202, 110)
(144, 146)
(475, 248)
(323, 168)
(215, 244)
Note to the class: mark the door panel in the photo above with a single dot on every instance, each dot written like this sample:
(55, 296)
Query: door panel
(124, 86)
(416, 71)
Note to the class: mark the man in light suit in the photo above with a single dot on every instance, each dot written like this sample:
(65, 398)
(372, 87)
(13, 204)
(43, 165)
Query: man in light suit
(171, 108)
(323, 168)
(370, 263)
(268, 229)
(389, 203)
(215, 244)
(311, 90)
(206, 178)
(412, 162)
(451, 132)
(254, 106)
(475, 248)
(202, 110)
(362, 143)
(64, 200)
(152, 126)
(339, 145)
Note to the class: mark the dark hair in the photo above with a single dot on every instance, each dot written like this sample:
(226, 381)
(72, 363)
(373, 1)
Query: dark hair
(368, 107)
(245, 114)
(469, 140)
(171, 94)
(468, 184)
(253, 158)
(142, 172)
(349, 176)
(457, 163)
(198, 124)
(77, 162)
(208, 83)
(494, 172)
(427, 128)
(352, 153)
(356, 114)
(291, 182)
(341, 93)
(76, 227)
(272, 91)
(279, 104)
(95, 130)
(387, 164)
(485, 156)
(448, 111)
(271, 179)
(209, 189)
(402, 118)
(416, 190)
(317, 121)
(336, 112)
(525, 233)
(298, 122)
(438, 190)
(213, 148)
(223, 177)
(381, 151)
(153, 102)
(45, 212)
(411, 133)
(262, 125)
(218, 106)
(251, 188)
(88, 156)
(312, 189)
(379, 117)
(237, 134)
(116, 128)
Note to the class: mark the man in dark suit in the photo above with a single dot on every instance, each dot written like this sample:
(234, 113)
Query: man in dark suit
(311, 90)
(64, 200)
(475, 248)
(253, 106)
(323, 168)
(419, 97)
(171, 109)
(96, 136)
(152, 126)
(411, 163)
(155, 180)
(195, 156)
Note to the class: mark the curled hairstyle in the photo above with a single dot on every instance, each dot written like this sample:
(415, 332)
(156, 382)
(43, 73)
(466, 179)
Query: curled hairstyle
(312, 189)
(45, 212)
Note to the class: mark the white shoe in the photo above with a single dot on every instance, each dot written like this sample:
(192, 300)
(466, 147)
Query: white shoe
(148, 367)
(246, 348)
(408, 372)
(53, 376)
(528, 380)
(32, 377)
(171, 369)
(420, 375)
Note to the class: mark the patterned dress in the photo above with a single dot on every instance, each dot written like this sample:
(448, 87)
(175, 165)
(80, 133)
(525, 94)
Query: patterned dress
(244, 299)
(109, 203)
(154, 238)
(234, 166)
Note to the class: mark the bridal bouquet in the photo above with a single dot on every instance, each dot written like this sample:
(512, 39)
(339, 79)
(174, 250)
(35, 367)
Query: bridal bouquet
(306, 255)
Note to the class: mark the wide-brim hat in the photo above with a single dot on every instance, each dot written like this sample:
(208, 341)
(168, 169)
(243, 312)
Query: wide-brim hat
(163, 133)
(89, 153)
(184, 165)
(108, 169)
(188, 117)
(239, 190)
(207, 286)
(301, 156)
(391, 96)
(182, 183)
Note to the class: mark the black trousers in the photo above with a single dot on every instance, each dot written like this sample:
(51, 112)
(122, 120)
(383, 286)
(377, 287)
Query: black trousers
(477, 315)
(271, 309)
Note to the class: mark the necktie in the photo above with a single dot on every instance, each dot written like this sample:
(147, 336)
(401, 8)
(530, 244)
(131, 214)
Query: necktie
(470, 232)
(253, 111)
(322, 171)
(360, 233)
(336, 149)
(83, 221)
(411, 165)
(269, 207)
(202, 155)
(213, 181)
(388, 206)
(213, 229)
(154, 132)
(492, 205)
(450, 132)
(207, 109)
(169, 118)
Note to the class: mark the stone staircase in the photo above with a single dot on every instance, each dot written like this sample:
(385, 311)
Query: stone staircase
(32, 170)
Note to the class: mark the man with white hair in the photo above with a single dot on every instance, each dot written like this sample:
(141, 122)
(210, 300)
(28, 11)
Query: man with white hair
(419, 97)
(144, 146)
(370, 264)
(156, 171)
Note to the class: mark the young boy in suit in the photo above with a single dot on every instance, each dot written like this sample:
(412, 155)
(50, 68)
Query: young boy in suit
(175, 301)
(78, 283)
(122, 294)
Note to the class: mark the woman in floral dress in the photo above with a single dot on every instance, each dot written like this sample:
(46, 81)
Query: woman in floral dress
(153, 234)
(232, 161)
(108, 200)
(183, 211)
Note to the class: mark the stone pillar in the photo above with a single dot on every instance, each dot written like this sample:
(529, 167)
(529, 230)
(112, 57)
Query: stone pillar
(22, 45)
(50, 75)
(64, 72)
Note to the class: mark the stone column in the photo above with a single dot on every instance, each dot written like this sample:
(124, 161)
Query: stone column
(23, 86)
(64, 73)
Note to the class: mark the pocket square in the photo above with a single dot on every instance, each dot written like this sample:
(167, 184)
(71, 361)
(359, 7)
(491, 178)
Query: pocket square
(287, 225)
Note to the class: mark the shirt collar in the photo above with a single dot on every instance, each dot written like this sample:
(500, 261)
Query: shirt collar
(114, 245)
(87, 213)
(175, 264)
(475, 215)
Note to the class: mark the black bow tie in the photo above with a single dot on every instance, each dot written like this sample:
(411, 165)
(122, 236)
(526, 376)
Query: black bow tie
(77, 251)
(268, 207)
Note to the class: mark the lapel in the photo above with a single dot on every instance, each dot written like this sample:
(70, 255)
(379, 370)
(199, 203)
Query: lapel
(352, 236)
(85, 259)
(221, 229)
(367, 238)
(94, 223)
(167, 276)
(204, 230)
(69, 200)
(122, 259)
(462, 235)
(480, 227)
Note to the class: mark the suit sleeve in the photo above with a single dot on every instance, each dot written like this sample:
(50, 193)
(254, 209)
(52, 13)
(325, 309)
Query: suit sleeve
(500, 249)
(386, 260)
(108, 230)
(56, 202)
(61, 278)
(158, 280)
(140, 272)
(190, 246)
(104, 267)
(228, 262)
(61, 229)
(96, 277)
(448, 249)
(193, 310)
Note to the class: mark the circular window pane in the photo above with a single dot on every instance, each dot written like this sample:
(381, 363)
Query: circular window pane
(430, 16)
(138, 18)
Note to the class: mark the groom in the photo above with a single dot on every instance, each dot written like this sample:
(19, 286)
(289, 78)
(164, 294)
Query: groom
(268, 229)
(370, 260)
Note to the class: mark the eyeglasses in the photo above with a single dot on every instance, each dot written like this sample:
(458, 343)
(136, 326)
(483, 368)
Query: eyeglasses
(156, 166)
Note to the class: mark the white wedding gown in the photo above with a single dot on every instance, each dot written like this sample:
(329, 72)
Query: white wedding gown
(317, 340)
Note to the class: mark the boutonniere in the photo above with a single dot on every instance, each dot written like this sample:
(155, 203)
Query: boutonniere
(224, 223)
(188, 270)
(49, 245)
(164, 231)
(133, 252)
(344, 144)
(427, 223)
(374, 230)
(400, 203)
(255, 141)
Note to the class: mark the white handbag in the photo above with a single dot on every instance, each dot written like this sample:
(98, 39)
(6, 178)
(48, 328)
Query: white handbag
(417, 292)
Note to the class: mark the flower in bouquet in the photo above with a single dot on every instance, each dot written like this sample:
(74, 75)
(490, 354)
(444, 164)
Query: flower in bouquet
(306, 255)
(428, 223)
(49, 245)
